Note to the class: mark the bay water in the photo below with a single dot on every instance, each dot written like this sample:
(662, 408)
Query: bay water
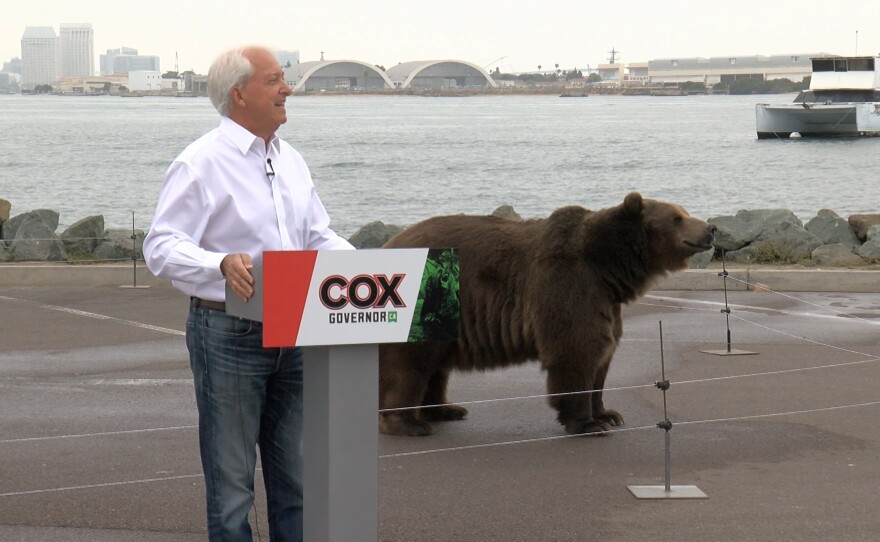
(401, 159)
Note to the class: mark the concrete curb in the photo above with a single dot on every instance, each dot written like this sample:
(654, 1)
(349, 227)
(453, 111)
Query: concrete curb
(51, 274)
(740, 279)
(780, 280)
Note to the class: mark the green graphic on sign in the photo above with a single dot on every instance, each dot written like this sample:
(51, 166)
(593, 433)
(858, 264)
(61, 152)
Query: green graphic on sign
(437, 308)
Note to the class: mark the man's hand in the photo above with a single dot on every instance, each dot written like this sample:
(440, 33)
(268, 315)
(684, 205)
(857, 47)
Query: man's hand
(235, 268)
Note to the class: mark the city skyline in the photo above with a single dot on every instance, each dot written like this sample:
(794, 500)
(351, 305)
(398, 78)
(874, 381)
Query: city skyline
(512, 38)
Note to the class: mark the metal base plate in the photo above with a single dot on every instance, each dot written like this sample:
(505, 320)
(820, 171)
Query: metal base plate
(135, 287)
(659, 492)
(731, 352)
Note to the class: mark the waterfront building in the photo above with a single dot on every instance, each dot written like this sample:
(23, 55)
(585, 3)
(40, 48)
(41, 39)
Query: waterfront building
(611, 74)
(143, 80)
(437, 74)
(320, 75)
(77, 49)
(91, 84)
(637, 74)
(40, 57)
(195, 84)
(713, 70)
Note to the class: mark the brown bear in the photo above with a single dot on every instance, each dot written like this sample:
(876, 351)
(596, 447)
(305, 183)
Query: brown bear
(549, 289)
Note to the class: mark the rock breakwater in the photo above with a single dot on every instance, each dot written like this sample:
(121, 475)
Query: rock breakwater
(757, 236)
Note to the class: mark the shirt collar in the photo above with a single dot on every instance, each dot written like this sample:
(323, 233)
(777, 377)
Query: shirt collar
(242, 138)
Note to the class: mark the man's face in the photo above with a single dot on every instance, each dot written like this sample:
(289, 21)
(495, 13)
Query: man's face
(261, 106)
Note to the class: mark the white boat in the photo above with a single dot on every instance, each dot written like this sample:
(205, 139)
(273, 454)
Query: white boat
(843, 100)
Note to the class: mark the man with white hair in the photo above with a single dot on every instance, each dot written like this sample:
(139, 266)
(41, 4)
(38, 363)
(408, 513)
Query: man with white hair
(233, 193)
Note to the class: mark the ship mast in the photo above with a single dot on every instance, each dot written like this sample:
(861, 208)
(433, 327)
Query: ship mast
(613, 57)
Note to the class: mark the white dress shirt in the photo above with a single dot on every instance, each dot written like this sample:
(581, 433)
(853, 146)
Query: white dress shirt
(218, 198)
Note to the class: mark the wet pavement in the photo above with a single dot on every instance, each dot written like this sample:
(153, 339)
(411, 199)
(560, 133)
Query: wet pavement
(98, 437)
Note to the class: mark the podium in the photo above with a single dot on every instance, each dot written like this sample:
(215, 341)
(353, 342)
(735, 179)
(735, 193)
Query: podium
(339, 306)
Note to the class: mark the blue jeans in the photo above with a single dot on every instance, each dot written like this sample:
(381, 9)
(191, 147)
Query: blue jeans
(246, 395)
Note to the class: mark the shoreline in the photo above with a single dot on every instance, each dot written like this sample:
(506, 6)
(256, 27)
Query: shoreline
(560, 91)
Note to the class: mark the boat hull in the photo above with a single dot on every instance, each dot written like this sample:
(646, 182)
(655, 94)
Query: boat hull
(818, 120)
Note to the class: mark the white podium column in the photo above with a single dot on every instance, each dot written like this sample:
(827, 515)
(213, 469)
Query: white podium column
(341, 443)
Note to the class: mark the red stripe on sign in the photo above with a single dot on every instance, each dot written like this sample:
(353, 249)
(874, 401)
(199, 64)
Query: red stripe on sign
(286, 278)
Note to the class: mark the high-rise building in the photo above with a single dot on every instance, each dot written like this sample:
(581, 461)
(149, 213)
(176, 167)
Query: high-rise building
(107, 60)
(40, 57)
(77, 49)
(13, 66)
(125, 60)
(287, 59)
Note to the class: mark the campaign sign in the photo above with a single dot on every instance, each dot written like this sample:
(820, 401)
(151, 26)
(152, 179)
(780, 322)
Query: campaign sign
(332, 297)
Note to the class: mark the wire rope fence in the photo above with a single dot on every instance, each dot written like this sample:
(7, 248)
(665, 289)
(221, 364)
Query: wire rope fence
(682, 305)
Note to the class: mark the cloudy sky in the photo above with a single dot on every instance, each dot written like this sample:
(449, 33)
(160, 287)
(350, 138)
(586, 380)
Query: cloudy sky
(515, 36)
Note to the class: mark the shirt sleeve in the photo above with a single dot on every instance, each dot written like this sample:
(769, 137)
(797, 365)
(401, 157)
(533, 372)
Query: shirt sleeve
(171, 248)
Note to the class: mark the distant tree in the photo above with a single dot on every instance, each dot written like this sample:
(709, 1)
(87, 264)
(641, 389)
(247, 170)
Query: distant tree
(107, 86)
(539, 67)
(773, 86)
(380, 67)
(694, 86)
(123, 89)
(43, 89)
(594, 78)
(170, 75)
(287, 65)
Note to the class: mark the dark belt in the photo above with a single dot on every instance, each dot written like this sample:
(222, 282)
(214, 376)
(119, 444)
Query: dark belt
(208, 304)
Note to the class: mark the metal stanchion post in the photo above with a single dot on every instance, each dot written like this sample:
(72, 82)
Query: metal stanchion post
(726, 310)
(134, 283)
(666, 491)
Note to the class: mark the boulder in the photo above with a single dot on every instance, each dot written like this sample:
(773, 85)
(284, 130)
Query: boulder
(48, 216)
(870, 249)
(5, 208)
(789, 240)
(861, 223)
(5, 254)
(36, 241)
(82, 237)
(506, 211)
(764, 236)
(836, 255)
(831, 229)
(743, 255)
(733, 232)
(374, 235)
(117, 245)
(768, 217)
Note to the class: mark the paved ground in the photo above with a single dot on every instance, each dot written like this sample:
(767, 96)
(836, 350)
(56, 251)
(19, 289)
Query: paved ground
(98, 438)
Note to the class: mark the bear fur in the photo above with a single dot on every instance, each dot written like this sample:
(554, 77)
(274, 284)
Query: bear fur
(548, 289)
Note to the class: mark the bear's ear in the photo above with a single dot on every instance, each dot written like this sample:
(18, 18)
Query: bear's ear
(633, 204)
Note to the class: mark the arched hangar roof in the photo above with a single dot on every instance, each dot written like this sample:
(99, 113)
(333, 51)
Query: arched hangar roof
(298, 76)
(402, 75)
